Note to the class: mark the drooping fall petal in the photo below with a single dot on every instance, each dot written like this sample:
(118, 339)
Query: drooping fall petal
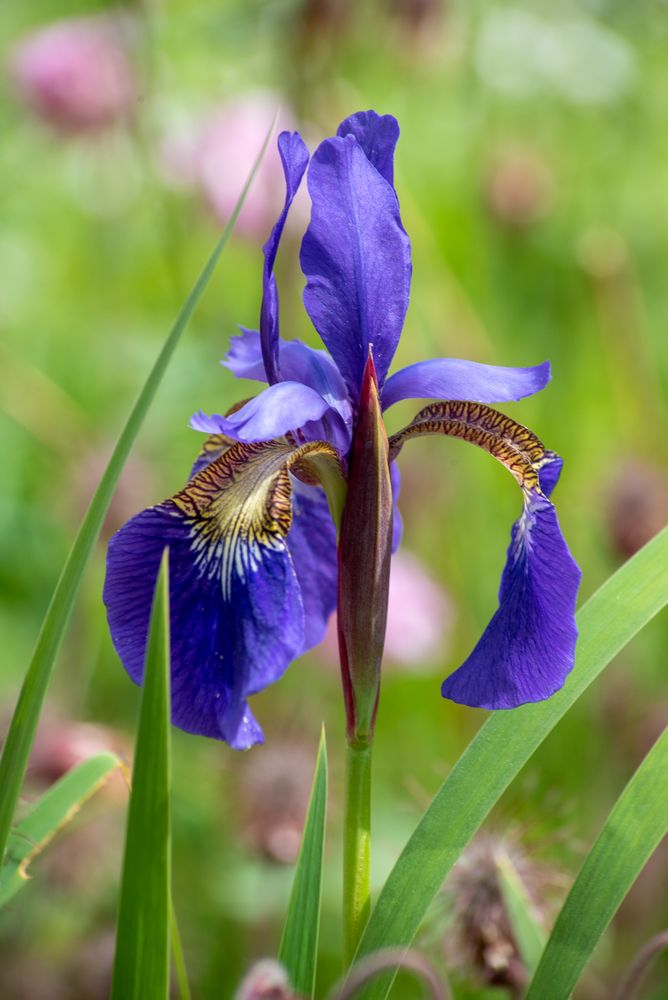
(237, 612)
(526, 651)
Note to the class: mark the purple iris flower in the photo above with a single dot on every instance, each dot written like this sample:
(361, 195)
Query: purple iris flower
(252, 535)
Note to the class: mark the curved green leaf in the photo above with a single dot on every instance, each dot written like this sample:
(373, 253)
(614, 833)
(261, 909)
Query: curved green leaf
(26, 714)
(49, 814)
(298, 951)
(638, 821)
(141, 964)
(502, 747)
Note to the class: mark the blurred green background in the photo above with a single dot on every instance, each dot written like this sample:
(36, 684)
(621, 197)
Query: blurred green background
(533, 177)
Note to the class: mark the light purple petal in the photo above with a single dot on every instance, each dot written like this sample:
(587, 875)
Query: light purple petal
(294, 157)
(283, 407)
(456, 379)
(356, 257)
(377, 135)
(244, 357)
(298, 363)
(526, 651)
(312, 543)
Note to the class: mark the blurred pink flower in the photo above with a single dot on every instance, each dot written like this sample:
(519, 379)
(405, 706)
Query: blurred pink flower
(76, 74)
(214, 154)
(420, 616)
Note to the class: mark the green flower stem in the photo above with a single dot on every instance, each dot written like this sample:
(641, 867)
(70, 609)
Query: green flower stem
(356, 847)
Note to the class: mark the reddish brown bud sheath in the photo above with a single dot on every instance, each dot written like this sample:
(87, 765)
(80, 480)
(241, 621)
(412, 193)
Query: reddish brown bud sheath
(364, 563)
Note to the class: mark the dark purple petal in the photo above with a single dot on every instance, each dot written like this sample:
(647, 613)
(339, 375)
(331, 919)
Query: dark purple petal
(312, 543)
(397, 519)
(453, 378)
(294, 157)
(356, 257)
(549, 472)
(283, 407)
(377, 135)
(526, 651)
(227, 642)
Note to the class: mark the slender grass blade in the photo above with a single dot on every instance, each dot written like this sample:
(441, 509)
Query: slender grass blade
(502, 747)
(23, 725)
(638, 821)
(299, 944)
(50, 813)
(141, 964)
(528, 933)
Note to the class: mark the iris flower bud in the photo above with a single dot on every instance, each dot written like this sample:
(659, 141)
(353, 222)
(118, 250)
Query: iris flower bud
(364, 563)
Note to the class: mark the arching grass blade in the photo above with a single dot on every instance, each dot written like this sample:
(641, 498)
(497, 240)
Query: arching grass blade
(299, 944)
(638, 821)
(502, 747)
(50, 813)
(141, 964)
(21, 732)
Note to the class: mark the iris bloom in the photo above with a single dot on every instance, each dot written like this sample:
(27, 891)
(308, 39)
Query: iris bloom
(254, 567)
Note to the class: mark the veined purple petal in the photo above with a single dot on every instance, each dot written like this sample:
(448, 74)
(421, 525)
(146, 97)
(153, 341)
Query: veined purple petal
(456, 379)
(312, 544)
(526, 651)
(356, 257)
(237, 618)
(294, 157)
(377, 135)
(283, 407)
(397, 519)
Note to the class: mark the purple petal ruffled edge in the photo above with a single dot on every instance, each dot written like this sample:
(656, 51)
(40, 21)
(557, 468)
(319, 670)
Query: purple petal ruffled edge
(377, 135)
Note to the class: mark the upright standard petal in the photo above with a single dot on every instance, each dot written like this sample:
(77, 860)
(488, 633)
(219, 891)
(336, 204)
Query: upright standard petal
(356, 258)
(237, 616)
(453, 378)
(281, 409)
(377, 135)
(294, 157)
(527, 650)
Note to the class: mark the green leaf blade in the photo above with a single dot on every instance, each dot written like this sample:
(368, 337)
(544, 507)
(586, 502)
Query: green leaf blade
(23, 726)
(528, 933)
(141, 964)
(501, 748)
(634, 828)
(49, 814)
(299, 944)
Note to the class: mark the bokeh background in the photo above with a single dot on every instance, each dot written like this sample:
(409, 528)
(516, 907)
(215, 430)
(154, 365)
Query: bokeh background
(533, 177)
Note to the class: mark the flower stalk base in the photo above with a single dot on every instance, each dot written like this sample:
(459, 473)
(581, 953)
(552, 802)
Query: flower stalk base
(356, 847)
